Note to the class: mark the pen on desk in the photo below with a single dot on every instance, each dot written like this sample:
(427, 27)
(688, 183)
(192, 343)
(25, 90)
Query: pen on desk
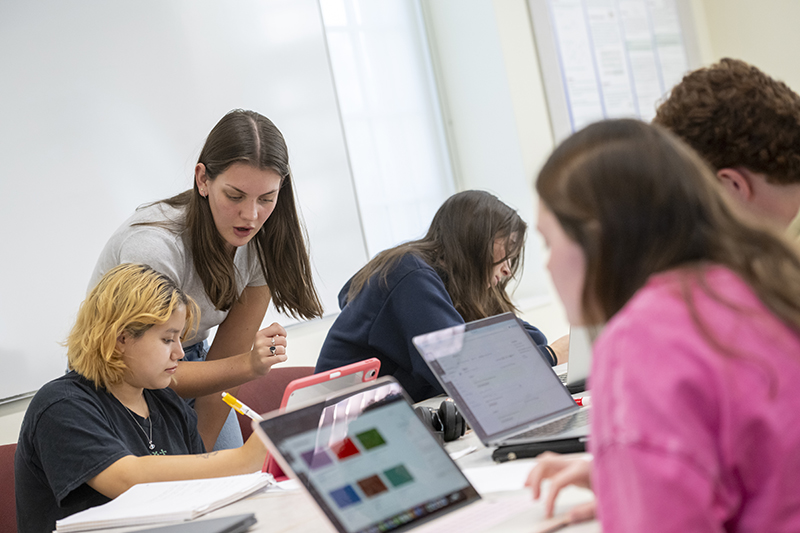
(585, 401)
(240, 407)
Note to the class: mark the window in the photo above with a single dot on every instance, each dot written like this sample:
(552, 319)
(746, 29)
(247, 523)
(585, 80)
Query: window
(390, 114)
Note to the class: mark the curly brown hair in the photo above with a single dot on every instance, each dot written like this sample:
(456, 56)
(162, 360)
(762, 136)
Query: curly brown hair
(734, 115)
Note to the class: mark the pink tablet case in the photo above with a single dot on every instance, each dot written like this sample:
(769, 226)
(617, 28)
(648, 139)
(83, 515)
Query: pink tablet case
(368, 368)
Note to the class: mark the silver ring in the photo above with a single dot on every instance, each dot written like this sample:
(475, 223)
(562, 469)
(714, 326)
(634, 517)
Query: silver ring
(273, 341)
(273, 349)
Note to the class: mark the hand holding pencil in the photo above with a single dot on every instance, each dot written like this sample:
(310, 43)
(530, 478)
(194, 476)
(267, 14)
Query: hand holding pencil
(239, 407)
(253, 448)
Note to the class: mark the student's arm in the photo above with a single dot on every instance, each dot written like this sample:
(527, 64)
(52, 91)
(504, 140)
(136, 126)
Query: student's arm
(130, 470)
(236, 334)
(418, 304)
(562, 470)
(560, 347)
(534, 333)
(237, 331)
(231, 359)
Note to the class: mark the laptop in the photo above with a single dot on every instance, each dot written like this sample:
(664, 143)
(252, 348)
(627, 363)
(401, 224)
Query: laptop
(580, 359)
(371, 465)
(501, 383)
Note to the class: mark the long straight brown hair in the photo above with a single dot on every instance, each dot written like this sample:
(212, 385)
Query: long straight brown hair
(248, 137)
(459, 246)
(638, 201)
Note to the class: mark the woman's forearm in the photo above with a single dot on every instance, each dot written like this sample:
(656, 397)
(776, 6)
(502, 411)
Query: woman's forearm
(200, 378)
(131, 470)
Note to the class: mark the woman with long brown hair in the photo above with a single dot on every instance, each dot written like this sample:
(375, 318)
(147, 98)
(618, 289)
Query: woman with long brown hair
(694, 421)
(458, 272)
(233, 243)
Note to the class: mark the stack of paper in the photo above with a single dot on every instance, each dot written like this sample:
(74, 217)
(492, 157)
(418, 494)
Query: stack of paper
(168, 501)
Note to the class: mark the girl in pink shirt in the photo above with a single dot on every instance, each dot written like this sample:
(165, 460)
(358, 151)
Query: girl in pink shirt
(694, 381)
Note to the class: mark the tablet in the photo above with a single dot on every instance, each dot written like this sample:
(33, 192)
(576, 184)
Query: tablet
(304, 390)
(319, 386)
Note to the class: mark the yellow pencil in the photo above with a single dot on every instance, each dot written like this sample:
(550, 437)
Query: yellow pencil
(240, 407)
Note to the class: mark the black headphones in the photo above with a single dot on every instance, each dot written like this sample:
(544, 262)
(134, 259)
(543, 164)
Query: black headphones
(445, 421)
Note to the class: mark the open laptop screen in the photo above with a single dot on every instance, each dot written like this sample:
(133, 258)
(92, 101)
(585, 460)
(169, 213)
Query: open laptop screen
(368, 460)
(496, 375)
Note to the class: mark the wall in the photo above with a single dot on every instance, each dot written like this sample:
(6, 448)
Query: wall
(764, 33)
(494, 109)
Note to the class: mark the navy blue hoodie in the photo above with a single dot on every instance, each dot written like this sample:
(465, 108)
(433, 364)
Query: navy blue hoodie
(383, 318)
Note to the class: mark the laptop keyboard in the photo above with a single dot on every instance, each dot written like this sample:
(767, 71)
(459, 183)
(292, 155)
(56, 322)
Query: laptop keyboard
(579, 419)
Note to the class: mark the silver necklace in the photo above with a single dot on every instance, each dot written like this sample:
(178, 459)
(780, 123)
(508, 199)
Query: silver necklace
(150, 418)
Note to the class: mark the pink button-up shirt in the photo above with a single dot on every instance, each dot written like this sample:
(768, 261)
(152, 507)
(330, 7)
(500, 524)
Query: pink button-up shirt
(696, 429)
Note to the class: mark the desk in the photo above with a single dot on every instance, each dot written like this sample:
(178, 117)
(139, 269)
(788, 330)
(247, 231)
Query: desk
(296, 512)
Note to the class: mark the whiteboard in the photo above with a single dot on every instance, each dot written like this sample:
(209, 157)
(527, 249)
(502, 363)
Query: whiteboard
(605, 59)
(105, 106)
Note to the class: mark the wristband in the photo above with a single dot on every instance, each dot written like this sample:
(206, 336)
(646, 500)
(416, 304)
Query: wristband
(552, 353)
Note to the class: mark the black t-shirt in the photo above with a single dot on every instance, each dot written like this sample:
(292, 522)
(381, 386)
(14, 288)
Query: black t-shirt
(72, 432)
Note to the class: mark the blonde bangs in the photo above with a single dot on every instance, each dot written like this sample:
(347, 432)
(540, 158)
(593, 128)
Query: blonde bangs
(130, 298)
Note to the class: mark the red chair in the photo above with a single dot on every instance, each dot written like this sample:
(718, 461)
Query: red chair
(264, 394)
(8, 503)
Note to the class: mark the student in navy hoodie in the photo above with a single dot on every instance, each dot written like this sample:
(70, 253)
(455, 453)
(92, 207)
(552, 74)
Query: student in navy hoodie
(457, 273)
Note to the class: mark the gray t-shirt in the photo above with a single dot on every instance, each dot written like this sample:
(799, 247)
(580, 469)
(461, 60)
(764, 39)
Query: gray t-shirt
(167, 252)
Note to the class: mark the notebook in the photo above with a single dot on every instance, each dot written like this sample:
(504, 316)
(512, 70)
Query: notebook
(165, 501)
(501, 383)
(371, 465)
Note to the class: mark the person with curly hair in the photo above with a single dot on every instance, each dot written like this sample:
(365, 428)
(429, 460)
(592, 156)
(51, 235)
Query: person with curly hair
(747, 126)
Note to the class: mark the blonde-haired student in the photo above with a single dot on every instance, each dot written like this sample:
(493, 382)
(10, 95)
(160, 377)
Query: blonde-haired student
(112, 421)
